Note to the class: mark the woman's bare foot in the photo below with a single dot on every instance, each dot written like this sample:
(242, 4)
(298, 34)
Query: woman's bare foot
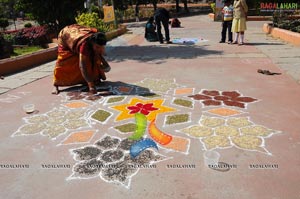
(55, 90)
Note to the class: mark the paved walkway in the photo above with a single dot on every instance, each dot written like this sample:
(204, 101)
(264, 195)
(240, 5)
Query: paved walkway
(186, 99)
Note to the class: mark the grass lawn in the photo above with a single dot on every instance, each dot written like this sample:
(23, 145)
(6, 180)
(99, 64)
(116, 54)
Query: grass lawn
(25, 50)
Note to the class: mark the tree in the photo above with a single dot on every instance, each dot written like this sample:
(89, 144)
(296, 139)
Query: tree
(4, 8)
(57, 13)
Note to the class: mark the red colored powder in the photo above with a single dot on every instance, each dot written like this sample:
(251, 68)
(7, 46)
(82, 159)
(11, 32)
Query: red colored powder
(234, 103)
(231, 94)
(244, 99)
(211, 93)
(222, 98)
(200, 97)
(211, 103)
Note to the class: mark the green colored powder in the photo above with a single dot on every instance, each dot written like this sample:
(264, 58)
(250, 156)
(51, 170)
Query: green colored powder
(101, 115)
(149, 95)
(126, 128)
(115, 99)
(174, 119)
(185, 103)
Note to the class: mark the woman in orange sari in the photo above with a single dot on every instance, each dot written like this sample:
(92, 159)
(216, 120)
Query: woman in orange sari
(80, 58)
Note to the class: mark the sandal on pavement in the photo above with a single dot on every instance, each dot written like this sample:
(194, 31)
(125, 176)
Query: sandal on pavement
(267, 72)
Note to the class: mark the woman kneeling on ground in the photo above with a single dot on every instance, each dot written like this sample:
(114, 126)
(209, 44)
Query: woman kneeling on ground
(80, 58)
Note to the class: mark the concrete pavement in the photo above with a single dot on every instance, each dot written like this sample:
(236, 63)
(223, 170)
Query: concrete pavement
(193, 97)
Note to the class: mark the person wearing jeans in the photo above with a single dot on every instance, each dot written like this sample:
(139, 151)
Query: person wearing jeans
(227, 16)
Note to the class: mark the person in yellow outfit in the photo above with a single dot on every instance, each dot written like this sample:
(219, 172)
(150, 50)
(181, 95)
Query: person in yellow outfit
(240, 10)
(80, 58)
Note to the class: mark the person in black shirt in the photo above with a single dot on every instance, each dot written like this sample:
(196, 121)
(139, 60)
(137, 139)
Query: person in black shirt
(162, 16)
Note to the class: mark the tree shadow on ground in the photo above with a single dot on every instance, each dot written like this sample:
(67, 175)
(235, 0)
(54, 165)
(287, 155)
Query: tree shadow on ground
(159, 52)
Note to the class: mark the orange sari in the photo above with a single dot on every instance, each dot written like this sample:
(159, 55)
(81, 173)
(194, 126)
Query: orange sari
(67, 71)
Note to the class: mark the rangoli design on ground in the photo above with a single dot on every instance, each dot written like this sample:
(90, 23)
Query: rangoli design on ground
(183, 103)
(126, 128)
(109, 159)
(178, 144)
(54, 123)
(225, 112)
(115, 99)
(177, 119)
(78, 95)
(101, 116)
(214, 132)
(151, 108)
(218, 98)
(77, 104)
(144, 114)
(184, 91)
(158, 85)
(79, 137)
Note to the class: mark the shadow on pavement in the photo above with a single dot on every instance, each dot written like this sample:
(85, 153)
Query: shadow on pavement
(106, 88)
(163, 52)
(265, 44)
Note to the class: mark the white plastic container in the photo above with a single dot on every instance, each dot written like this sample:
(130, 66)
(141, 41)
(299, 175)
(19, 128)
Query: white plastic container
(29, 108)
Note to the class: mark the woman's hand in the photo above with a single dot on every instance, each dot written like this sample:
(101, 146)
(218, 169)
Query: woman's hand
(92, 88)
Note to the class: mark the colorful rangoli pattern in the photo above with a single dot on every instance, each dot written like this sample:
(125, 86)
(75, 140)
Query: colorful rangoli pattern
(158, 85)
(109, 159)
(214, 132)
(151, 108)
(146, 114)
(54, 123)
(218, 98)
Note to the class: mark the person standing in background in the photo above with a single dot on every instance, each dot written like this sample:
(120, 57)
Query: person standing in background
(240, 10)
(227, 16)
(162, 16)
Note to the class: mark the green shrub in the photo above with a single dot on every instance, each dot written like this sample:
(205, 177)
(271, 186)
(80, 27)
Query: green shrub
(129, 13)
(28, 25)
(10, 38)
(5, 48)
(4, 23)
(92, 20)
(25, 50)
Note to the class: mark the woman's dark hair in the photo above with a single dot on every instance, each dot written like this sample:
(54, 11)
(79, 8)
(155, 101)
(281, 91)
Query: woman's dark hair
(98, 38)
